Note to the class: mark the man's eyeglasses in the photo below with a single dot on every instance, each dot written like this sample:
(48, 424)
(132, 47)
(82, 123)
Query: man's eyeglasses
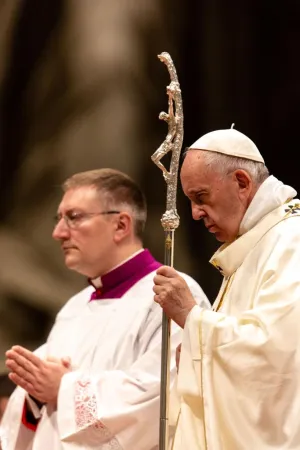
(73, 218)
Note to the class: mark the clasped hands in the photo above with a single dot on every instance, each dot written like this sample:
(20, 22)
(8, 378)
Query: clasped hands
(41, 379)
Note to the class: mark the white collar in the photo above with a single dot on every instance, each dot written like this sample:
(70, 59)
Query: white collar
(268, 207)
(271, 194)
(97, 283)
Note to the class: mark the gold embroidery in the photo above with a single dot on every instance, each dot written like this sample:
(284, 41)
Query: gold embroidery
(292, 209)
(216, 265)
(225, 290)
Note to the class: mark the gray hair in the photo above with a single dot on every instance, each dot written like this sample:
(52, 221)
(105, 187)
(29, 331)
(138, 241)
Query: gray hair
(226, 164)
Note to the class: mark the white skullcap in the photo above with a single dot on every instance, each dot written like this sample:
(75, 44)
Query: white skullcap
(229, 142)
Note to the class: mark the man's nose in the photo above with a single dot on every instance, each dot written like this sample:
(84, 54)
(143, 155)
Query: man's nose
(197, 212)
(61, 230)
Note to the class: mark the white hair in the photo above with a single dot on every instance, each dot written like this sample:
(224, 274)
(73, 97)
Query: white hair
(226, 164)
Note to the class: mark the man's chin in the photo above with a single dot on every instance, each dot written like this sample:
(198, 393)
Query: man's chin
(220, 237)
(71, 262)
(224, 239)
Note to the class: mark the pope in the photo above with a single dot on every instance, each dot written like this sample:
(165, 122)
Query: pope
(238, 381)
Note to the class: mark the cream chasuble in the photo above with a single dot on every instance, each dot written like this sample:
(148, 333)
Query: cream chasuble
(239, 375)
(110, 401)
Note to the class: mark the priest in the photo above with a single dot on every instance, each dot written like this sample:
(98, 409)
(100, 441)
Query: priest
(238, 381)
(95, 383)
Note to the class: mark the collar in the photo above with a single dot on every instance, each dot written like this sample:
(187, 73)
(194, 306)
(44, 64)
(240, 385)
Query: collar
(269, 206)
(98, 282)
(271, 194)
(117, 281)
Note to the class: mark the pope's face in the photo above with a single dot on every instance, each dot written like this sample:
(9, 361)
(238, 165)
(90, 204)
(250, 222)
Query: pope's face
(88, 240)
(219, 200)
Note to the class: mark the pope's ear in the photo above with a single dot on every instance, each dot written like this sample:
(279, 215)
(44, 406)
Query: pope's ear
(243, 179)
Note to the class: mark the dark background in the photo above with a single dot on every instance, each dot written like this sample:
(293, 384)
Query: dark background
(81, 87)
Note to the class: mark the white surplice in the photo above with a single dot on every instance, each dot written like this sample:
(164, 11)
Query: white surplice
(110, 401)
(239, 374)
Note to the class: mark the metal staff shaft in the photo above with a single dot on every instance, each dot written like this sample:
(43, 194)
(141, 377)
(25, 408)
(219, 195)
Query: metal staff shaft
(165, 355)
(170, 221)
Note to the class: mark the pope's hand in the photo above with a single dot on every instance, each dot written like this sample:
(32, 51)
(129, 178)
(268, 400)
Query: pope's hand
(173, 294)
(41, 379)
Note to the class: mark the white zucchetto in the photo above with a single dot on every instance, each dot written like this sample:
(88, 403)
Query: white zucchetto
(229, 142)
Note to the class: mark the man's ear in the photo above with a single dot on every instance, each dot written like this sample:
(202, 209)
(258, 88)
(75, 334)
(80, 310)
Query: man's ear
(123, 226)
(243, 179)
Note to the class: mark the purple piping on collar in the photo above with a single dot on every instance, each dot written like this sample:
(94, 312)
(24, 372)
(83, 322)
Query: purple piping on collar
(117, 282)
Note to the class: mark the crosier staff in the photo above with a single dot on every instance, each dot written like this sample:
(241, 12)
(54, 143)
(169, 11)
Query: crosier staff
(170, 221)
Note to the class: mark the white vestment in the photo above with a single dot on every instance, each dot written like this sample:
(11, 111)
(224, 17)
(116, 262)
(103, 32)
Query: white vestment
(239, 374)
(110, 401)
